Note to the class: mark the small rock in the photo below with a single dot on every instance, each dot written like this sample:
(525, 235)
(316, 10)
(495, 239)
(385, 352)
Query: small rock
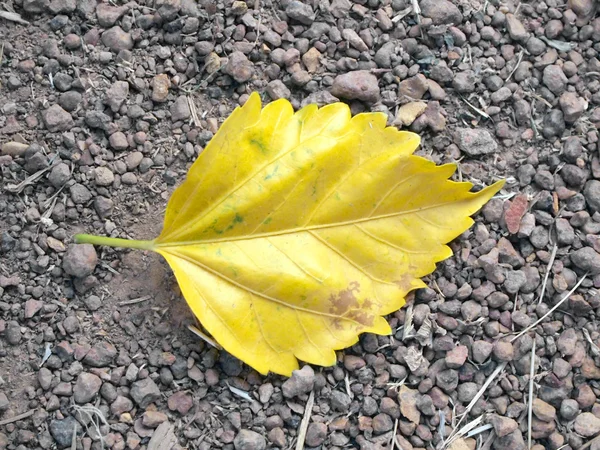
(14, 149)
(249, 440)
(316, 434)
(587, 424)
(475, 142)
(180, 402)
(301, 382)
(340, 401)
(555, 79)
(554, 124)
(152, 419)
(180, 109)
(144, 392)
(118, 141)
(515, 29)
(121, 405)
(12, 333)
(543, 411)
(572, 106)
(407, 114)
(277, 89)
(456, 357)
(103, 176)
(116, 95)
(302, 12)
(413, 87)
(503, 351)
(586, 259)
(57, 119)
(357, 85)
(441, 12)
(62, 431)
(512, 441)
(117, 39)
(481, 351)
(464, 82)
(160, 87)
(32, 307)
(591, 192)
(312, 59)
(86, 387)
(100, 355)
(108, 15)
(239, 66)
(80, 260)
(503, 426)
(59, 175)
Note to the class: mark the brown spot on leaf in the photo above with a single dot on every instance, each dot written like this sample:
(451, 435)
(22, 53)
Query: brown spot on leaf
(346, 305)
(345, 299)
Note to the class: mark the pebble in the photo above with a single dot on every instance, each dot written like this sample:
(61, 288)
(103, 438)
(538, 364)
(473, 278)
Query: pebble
(586, 259)
(116, 95)
(152, 419)
(572, 106)
(121, 405)
(554, 79)
(586, 424)
(301, 382)
(503, 426)
(118, 141)
(86, 387)
(457, 357)
(57, 119)
(503, 351)
(515, 29)
(103, 176)
(101, 354)
(144, 392)
(239, 67)
(59, 175)
(475, 141)
(116, 39)
(180, 402)
(301, 12)
(62, 430)
(441, 12)
(356, 85)
(543, 411)
(249, 440)
(317, 433)
(180, 109)
(80, 260)
(160, 87)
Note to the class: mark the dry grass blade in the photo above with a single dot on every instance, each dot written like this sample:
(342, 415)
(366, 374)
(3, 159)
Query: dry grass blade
(469, 407)
(17, 188)
(25, 415)
(135, 300)
(554, 308)
(204, 337)
(548, 269)
(239, 393)
(516, 65)
(305, 421)
(394, 435)
(13, 17)
(530, 406)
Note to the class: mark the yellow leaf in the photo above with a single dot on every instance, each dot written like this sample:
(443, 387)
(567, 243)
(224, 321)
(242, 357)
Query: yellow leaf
(295, 232)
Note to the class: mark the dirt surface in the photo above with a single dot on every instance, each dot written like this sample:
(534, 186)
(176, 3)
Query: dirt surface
(103, 108)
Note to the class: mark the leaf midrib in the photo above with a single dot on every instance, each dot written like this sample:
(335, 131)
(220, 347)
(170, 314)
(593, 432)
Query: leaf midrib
(298, 229)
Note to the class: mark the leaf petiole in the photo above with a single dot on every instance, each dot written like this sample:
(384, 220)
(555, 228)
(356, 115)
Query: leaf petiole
(113, 242)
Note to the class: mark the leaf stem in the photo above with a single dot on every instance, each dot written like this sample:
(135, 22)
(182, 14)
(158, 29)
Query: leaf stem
(113, 242)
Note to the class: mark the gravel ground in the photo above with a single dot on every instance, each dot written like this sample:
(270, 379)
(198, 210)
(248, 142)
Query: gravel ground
(103, 108)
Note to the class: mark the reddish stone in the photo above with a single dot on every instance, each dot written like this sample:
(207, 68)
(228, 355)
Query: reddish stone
(515, 213)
